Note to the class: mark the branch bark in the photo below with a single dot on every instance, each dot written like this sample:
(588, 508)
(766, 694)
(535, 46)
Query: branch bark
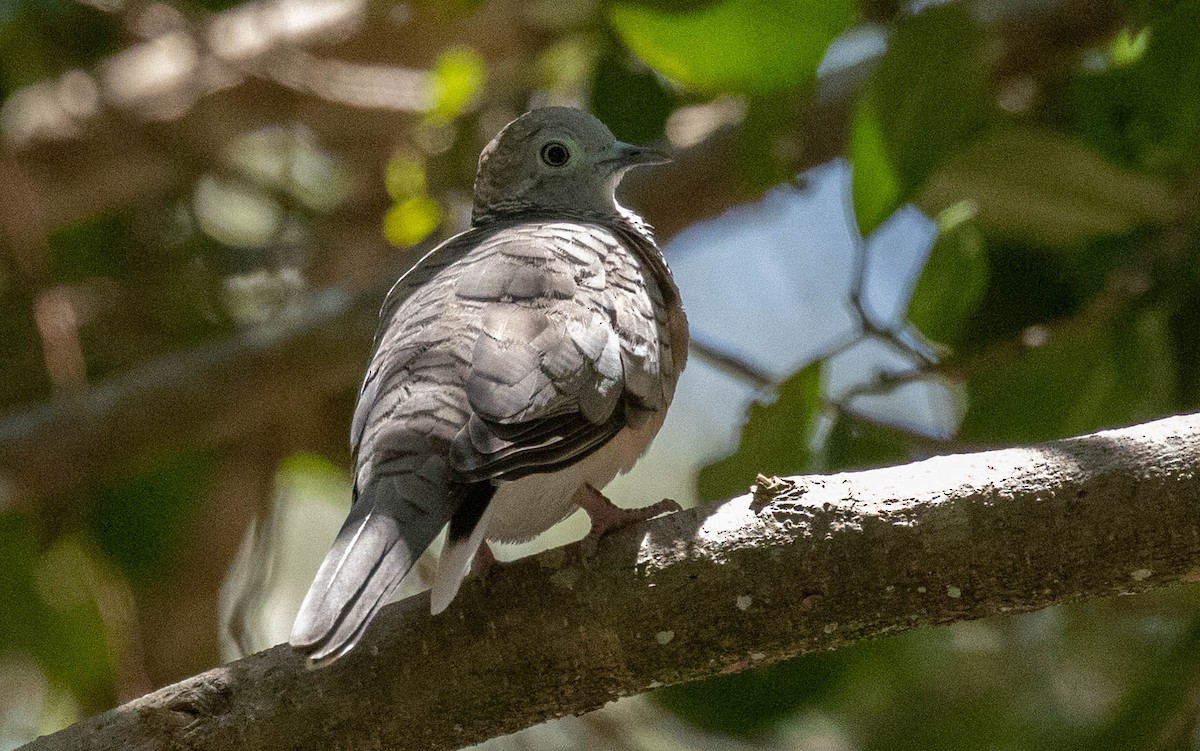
(802, 565)
(199, 398)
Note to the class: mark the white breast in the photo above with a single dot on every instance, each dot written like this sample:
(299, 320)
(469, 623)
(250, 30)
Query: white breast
(525, 508)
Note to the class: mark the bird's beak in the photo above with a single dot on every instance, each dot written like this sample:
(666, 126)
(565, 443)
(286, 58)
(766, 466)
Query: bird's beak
(627, 155)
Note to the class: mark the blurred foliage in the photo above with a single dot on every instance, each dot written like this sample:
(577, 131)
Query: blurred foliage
(39, 37)
(48, 607)
(458, 77)
(748, 46)
(140, 522)
(1060, 291)
(619, 79)
(931, 96)
(753, 701)
(1082, 378)
(1040, 187)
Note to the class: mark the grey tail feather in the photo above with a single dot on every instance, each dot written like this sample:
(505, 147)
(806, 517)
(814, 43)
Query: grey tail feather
(372, 553)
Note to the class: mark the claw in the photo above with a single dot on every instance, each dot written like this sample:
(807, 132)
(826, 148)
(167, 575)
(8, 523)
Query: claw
(607, 517)
(484, 561)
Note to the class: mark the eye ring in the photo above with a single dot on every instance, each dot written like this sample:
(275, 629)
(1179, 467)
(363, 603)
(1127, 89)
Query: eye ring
(555, 154)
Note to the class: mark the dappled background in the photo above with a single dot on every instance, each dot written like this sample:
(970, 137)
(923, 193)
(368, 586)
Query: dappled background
(900, 229)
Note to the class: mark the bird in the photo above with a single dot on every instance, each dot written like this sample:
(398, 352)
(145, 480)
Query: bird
(517, 368)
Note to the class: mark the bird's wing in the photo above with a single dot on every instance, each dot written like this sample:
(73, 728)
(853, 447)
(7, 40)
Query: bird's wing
(557, 326)
(567, 345)
(391, 331)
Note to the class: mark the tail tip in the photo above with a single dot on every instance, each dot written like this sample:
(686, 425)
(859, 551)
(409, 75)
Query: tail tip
(316, 654)
(314, 641)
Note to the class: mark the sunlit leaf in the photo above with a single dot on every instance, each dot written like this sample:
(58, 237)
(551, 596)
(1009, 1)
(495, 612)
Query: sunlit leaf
(774, 440)
(412, 220)
(236, 213)
(49, 608)
(747, 46)
(458, 77)
(73, 646)
(564, 68)
(1127, 47)
(954, 279)
(291, 160)
(405, 177)
(1046, 188)
(309, 476)
(875, 185)
(1147, 113)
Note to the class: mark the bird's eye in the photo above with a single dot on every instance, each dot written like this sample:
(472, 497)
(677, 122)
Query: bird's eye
(555, 154)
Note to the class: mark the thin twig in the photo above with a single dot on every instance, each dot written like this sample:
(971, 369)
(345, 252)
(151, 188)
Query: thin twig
(732, 364)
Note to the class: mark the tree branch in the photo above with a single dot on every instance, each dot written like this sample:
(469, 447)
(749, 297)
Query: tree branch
(802, 565)
(198, 398)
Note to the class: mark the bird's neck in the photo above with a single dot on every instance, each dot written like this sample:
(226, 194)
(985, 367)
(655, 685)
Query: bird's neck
(636, 231)
(517, 212)
(636, 223)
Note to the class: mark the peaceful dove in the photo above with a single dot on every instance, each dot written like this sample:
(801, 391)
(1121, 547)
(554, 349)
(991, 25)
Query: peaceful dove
(517, 369)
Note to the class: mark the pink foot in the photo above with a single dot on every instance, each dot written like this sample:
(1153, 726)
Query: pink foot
(485, 568)
(607, 517)
(484, 561)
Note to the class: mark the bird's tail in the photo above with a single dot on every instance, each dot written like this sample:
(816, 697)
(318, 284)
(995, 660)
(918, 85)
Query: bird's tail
(375, 548)
(467, 528)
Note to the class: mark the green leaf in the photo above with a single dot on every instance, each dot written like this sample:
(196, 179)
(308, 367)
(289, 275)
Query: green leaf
(954, 279)
(1048, 189)
(747, 703)
(1145, 717)
(875, 184)
(18, 555)
(775, 439)
(768, 135)
(95, 247)
(856, 443)
(1127, 47)
(1147, 112)
(630, 99)
(743, 46)
(930, 94)
(72, 645)
(1081, 378)
(405, 177)
(1170, 109)
(48, 608)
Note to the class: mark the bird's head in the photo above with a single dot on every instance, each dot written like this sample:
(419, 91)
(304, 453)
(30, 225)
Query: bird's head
(554, 159)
